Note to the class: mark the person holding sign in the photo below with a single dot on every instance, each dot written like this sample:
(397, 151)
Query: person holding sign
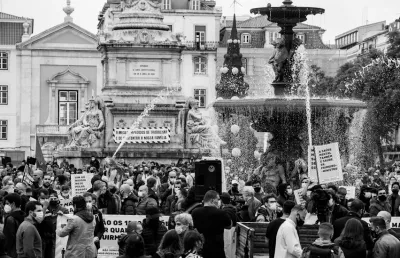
(80, 230)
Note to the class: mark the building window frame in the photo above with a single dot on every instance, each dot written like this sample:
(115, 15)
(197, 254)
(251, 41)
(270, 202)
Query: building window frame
(3, 95)
(200, 65)
(302, 37)
(68, 103)
(244, 64)
(167, 4)
(4, 60)
(200, 95)
(195, 5)
(246, 38)
(3, 130)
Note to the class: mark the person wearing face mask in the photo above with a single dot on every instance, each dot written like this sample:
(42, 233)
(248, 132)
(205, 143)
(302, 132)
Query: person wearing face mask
(183, 223)
(341, 194)
(380, 204)
(47, 228)
(211, 222)
(365, 196)
(335, 210)
(167, 189)
(133, 228)
(258, 191)
(94, 163)
(388, 218)
(285, 192)
(28, 240)
(14, 216)
(144, 201)
(129, 200)
(99, 228)
(65, 192)
(357, 209)
(287, 239)
(386, 245)
(394, 199)
(80, 231)
(153, 230)
(267, 212)
(169, 206)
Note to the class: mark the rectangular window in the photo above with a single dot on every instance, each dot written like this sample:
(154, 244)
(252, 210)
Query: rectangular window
(167, 4)
(195, 5)
(200, 65)
(244, 64)
(200, 36)
(3, 129)
(67, 107)
(301, 37)
(3, 95)
(246, 38)
(200, 95)
(3, 61)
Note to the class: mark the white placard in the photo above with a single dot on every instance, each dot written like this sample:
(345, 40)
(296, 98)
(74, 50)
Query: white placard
(143, 135)
(68, 205)
(80, 183)
(395, 221)
(329, 165)
(144, 70)
(351, 191)
(312, 165)
(298, 194)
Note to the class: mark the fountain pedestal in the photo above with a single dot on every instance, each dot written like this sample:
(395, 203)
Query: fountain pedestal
(280, 88)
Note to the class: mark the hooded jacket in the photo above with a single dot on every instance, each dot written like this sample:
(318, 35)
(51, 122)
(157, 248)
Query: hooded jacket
(320, 248)
(80, 230)
(11, 224)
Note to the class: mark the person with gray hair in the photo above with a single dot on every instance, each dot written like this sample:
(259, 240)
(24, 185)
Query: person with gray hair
(388, 218)
(183, 223)
(251, 205)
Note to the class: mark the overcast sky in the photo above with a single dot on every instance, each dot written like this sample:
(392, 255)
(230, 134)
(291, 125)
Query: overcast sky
(340, 15)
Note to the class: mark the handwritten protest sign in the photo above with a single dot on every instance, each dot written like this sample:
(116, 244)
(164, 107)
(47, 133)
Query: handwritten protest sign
(298, 194)
(351, 191)
(80, 183)
(312, 165)
(395, 222)
(329, 166)
(68, 205)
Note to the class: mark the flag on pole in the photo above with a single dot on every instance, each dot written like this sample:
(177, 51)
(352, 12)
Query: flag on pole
(40, 162)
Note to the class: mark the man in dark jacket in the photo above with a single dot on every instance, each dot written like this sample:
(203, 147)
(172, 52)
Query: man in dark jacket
(386, 245)
(3, 253)
(129, 200)
(388, 219)
(166, 189)
(336, 210)
(379, 204)
(229, 208)
(14, 217)
(394, 199)
(95, 163)
(356, 212)
(153, 230)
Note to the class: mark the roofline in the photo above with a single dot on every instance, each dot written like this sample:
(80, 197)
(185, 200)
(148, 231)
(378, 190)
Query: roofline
(357, 28)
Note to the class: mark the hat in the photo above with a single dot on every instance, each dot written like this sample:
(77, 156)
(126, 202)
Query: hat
(153, 212)
(235, 182)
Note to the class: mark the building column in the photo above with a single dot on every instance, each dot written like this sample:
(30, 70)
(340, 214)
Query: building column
(267, 43)
(51, 119)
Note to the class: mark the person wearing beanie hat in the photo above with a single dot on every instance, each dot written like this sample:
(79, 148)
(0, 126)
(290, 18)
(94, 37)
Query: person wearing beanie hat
(80, 231)
(153, 230)
(133, 228)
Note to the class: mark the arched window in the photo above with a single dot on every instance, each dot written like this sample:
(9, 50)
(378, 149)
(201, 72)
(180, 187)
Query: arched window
(3, 61)
(200, 65)
(246, 38)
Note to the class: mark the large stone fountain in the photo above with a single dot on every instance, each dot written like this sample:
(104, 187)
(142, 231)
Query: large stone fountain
(284, 116)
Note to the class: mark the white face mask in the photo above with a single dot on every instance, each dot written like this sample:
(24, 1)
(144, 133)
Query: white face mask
(141, 194)
(39, 216)
(330, 203)
(89, 205)
(272, 206)
(304, 185)
(10, 189)
(7, 208)
(289, 191)
(179, 229)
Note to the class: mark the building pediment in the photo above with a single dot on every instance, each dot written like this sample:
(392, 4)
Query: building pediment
(63, 36)
(68, 77)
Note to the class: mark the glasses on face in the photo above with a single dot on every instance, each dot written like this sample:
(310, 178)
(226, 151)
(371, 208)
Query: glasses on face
(382, 193)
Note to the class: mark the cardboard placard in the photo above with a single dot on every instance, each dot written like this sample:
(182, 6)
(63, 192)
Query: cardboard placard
(312, 165)
(80, 183)
(298, 194)
(329, 165)
(351, 191)
(68, 205)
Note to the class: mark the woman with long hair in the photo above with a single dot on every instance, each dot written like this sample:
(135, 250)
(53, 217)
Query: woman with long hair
(351, 241)
(134, 247)
(192, 243)
(170, 246)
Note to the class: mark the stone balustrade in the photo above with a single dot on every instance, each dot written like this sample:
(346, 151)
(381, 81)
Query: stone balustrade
(201, 46)
(42, 130)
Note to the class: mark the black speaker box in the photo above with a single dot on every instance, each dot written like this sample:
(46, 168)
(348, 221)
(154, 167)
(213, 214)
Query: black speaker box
(5, 160)
(208, 176)
(31, 161)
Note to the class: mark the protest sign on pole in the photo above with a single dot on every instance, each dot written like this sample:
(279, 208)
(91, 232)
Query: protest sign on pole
(312, 165)
(298, 194)
(329, 165)
(80, 183)
(27, 178)
(351, 191)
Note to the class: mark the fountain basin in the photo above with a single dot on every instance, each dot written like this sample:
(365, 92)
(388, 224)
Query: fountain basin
(287, 13)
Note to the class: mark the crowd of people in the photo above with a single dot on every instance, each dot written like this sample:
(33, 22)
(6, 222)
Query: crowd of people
(29, 213)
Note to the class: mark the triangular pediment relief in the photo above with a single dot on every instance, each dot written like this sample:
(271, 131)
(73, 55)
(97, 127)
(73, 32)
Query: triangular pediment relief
(64, 36)
(68, 76)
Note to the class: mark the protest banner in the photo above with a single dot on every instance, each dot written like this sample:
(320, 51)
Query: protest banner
(68, 205)
(298, 195)
(351, 191)
(395, 221)
(329, 166)
(27, 178)
(312, 164)
(80, 183)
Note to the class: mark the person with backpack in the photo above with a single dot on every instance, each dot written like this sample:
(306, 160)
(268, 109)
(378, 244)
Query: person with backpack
(14, 217)
(129, 200)
(323, 247)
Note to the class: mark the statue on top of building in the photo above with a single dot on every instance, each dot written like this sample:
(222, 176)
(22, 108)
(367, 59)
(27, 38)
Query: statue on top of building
(88, 129)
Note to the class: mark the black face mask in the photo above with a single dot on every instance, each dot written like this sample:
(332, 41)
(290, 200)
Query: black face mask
(46, 185)
(382, 198)
(300, 222)
(395, 191)
(257, 189)
(54, 202)
(279, 214)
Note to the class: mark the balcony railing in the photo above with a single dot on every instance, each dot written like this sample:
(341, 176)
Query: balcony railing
(202, 45)
(52, 129)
